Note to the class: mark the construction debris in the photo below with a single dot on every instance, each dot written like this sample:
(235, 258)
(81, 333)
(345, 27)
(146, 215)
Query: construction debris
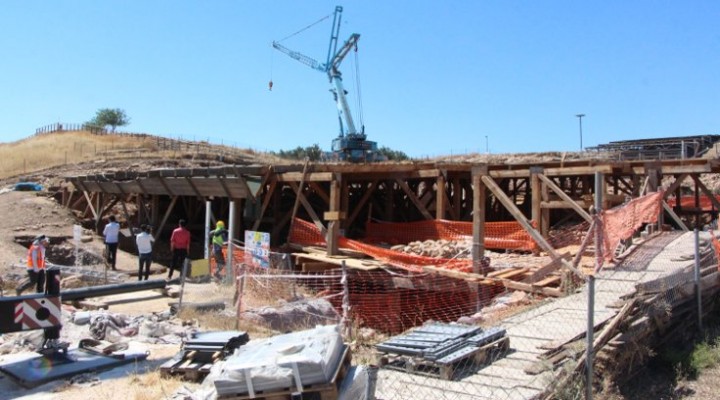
(438, 248)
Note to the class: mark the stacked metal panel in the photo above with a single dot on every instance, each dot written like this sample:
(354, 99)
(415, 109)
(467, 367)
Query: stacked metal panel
(291, 361)
(441, 343)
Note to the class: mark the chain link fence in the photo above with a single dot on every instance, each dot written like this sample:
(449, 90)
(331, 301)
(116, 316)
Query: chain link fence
(520, 329)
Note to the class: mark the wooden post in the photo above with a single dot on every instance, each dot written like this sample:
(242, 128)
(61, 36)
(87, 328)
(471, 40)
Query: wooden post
(545, 213)
(478, 249)
(440, 198)
(333, 217)
(536, 195)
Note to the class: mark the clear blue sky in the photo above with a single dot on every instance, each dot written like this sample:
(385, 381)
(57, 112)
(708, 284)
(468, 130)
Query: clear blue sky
(436, 76)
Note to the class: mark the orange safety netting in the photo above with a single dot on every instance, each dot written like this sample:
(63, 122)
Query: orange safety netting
(308, 234)
(506, 235)
(706, 203)
(620, 223)
(716, 247)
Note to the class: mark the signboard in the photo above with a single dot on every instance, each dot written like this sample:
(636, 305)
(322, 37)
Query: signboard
(77, 234)
(257, 249)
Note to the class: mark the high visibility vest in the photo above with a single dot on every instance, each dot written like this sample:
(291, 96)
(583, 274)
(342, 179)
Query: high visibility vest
(40, 258)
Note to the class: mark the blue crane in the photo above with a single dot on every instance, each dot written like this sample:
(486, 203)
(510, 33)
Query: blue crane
(351, 144)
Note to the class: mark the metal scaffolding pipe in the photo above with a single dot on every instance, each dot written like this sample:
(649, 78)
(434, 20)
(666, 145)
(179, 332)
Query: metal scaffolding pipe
(105, 290)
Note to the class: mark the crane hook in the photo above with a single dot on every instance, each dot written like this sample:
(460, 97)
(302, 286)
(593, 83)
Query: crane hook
(270, 84)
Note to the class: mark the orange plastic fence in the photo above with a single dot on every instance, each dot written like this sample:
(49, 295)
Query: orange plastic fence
(306, 233)
(506, 235)
(621, 222)
(706, 203)
(392, 303)
(716, 247)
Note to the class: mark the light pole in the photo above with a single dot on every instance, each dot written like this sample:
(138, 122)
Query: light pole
(487, 146)
(580, 117)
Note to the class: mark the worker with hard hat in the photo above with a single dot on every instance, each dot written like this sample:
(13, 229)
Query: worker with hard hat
(35, 265)
(218, 240)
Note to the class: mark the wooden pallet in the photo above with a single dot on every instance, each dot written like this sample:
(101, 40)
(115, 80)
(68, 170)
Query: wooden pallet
(192, 366)
(320, 391)
(421, 366)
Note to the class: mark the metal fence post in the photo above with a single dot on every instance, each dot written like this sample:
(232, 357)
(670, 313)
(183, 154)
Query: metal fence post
(599, 180)
(345, 301)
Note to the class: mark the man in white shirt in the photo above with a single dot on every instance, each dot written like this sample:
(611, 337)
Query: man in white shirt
(144, 241)
(111, 233)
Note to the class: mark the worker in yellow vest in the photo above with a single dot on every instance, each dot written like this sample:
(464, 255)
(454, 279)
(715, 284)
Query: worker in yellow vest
(35, 265)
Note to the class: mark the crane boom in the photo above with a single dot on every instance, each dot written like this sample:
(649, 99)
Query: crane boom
(309, 61)
(350, 144)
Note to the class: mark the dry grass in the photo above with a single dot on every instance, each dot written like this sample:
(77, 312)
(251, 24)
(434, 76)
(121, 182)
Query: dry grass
(37, 153)
(138, 385)
(52, 150)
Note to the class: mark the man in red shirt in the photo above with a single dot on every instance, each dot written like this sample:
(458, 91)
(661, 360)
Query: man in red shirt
(179, 246)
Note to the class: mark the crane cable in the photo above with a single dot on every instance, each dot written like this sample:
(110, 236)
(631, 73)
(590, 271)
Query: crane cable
(272, 58)
(305, 28)
(270, 84)
(358, 91)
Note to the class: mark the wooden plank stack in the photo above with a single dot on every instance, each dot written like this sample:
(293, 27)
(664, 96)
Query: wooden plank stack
(664, 311)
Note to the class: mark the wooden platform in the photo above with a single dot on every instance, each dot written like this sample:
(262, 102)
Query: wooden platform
(447, 371)
(191, 366)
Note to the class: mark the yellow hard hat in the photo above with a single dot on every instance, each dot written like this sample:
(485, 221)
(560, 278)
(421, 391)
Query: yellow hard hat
(220, 224)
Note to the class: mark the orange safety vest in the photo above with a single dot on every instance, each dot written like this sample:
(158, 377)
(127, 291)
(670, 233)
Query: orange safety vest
(40, 259)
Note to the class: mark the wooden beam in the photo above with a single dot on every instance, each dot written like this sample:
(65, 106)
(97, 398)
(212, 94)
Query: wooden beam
(674, 216)
(566, 171)
(223, 184)
(302, 176)
(197, 192)
(478, 246)
(440, 197)
(320, 191)
(707, 192)
(334, 225)
(265, 203)
(92, 209)
(406, 188)
(167, 214)
(242, 179)
(265, 179)
(536, 195)
(517, 214)
(364, 199)
(565, 197)
(308, 208)
(675, 185)
(296, 204)
(165, 185)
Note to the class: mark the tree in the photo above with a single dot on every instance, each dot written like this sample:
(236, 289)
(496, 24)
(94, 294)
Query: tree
(313, 153)
(112, 117)
(393, 155)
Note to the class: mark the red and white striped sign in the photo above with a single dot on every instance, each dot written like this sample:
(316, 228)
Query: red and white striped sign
(38, 313)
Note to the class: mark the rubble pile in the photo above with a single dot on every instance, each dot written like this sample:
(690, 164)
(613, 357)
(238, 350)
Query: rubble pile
(102, 325)
(460, 249)
(568, 235)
